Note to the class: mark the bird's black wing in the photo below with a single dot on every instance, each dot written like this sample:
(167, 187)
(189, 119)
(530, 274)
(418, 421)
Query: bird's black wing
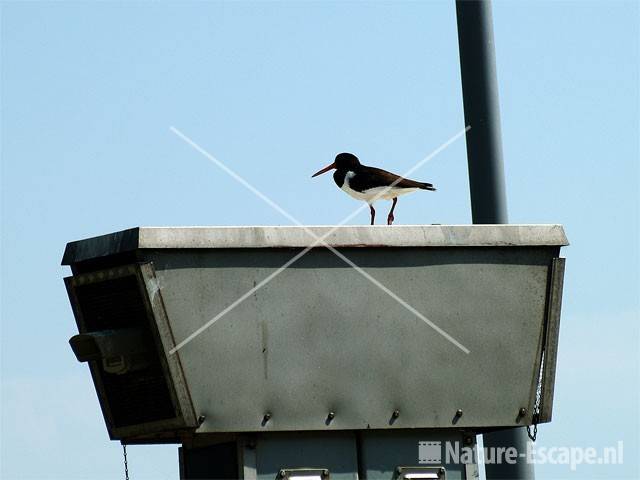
(371, 177)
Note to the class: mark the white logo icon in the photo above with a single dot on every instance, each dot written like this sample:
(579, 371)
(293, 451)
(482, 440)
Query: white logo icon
(429, 452)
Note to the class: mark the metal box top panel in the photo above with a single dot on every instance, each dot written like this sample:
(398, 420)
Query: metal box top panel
(301, 237)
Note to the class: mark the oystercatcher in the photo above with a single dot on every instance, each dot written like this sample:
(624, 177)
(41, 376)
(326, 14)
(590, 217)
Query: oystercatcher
(370, 183)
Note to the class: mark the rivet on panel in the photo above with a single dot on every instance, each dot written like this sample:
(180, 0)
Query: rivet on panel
(266, 418)
(521, 413)
(457, 416)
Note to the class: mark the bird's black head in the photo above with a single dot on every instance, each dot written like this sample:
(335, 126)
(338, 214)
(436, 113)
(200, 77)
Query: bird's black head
(343, 161)
(346, 161)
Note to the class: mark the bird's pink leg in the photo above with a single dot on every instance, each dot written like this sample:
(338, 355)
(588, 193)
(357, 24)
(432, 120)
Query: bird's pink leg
(373, 214)
(390, 217)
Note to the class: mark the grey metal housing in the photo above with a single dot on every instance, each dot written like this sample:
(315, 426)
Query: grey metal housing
(320, 338)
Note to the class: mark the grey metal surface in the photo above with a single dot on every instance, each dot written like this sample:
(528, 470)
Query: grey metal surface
(320, 338)
(343, 236)
(335, 452)
(382, 452)
(553, 333)
(247, 459)
(173, 367)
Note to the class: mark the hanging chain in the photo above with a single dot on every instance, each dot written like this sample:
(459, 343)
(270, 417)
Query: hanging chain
(126, 466)
(533, 432)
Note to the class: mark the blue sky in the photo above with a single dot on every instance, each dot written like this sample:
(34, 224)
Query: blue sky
(275, 90)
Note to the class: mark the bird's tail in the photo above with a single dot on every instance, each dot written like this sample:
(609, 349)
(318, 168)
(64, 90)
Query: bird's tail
(428, 186)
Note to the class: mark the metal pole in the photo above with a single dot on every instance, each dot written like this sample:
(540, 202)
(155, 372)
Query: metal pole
(481, 111)
(486, 169)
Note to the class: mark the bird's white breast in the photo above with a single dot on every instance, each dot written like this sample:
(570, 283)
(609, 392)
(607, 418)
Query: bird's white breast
(373, 194)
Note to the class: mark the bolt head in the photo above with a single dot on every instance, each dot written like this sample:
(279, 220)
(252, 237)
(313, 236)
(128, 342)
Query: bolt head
(281, 473)
(459, 412)
(201, 419)
(523, 412)
(395, 414)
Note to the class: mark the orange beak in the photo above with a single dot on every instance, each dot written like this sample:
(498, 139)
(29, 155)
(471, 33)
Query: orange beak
(325, 169)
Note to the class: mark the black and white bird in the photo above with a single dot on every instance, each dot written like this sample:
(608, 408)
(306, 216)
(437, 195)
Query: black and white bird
(369, 183)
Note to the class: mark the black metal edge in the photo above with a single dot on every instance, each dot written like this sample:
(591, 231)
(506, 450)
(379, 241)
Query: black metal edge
(553, 333)
(132, 434)
(182, 475)
(101, 246)
(360, 455)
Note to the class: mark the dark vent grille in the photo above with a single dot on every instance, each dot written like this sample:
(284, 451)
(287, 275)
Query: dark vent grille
(113, 303)
(134, 397)
(138, 397)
